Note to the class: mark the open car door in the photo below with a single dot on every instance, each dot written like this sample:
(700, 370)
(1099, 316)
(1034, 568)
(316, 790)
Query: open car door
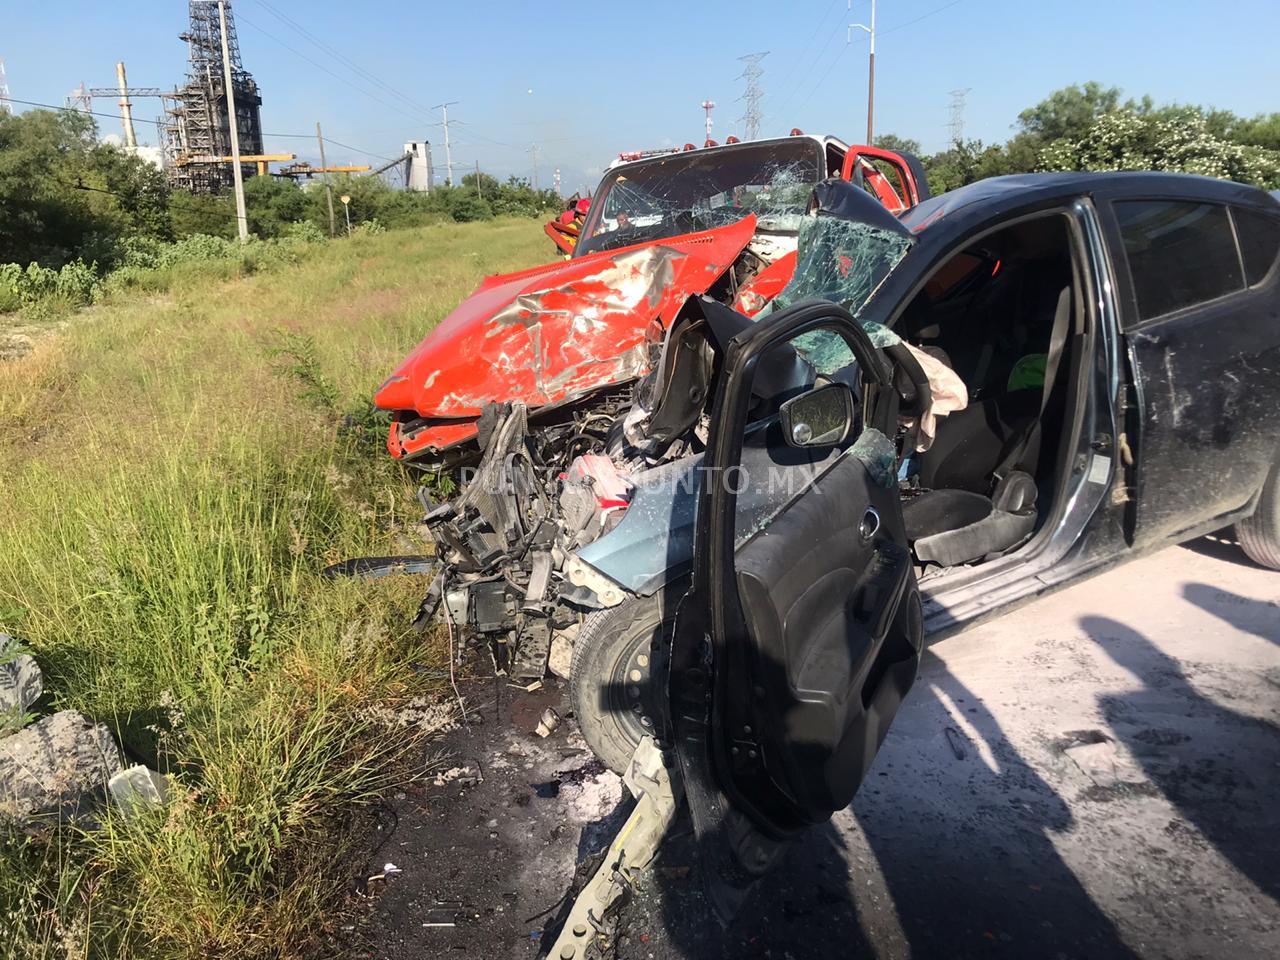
(802, 631)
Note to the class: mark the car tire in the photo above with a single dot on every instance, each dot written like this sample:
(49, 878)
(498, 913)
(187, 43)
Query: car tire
(1259, 535)
(616, 680)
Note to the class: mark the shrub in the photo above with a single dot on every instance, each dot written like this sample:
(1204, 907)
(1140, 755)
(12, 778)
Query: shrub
(467, 207)
(76, 282)
(304, 232)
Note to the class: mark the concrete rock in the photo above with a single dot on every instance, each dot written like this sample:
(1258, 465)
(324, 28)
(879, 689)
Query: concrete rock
(20, 686)
(561, 656)
(58, 765)
(139, 789)
(1105, 764)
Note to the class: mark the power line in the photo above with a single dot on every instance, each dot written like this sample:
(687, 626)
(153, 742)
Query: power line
(347, 146)
(823, 79)
(481, 136)
(276, 136)
(340, 56)
(322, 67)
(115, 116)
(923, 16)
(808, 43)
(879, 33)
(812, 62)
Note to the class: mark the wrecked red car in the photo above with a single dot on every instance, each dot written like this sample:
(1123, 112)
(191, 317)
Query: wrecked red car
(569, 339)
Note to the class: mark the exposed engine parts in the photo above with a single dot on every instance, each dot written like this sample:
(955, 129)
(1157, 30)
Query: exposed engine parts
(505, 542)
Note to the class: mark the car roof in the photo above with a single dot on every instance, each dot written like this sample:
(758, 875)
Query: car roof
(821, 139)
(1026, 189)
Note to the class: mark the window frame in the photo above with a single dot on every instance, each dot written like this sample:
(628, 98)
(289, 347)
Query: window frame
(1131, 318)
(1232, 209)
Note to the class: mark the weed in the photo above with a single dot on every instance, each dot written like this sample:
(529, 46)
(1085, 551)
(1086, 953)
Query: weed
(162, 563)
(294, 355)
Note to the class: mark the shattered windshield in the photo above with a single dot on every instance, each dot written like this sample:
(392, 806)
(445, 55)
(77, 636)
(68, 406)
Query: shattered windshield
(686, 192)
(842, 261)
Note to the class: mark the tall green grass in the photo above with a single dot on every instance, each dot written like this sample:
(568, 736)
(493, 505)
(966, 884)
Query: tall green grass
(175, 473)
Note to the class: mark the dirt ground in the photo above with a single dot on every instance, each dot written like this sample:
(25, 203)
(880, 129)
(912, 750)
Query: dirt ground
(1094, 775)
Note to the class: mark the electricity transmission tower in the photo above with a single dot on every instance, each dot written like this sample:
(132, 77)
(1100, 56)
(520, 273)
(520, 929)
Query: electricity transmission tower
(956, 126)
(753, 95)
(5, 105)
(708, 106)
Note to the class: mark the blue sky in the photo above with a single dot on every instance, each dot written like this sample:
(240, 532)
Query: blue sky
(617, 76)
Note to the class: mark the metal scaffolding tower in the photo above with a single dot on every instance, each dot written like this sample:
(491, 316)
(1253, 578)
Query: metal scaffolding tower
(753, 95)
(196, 130)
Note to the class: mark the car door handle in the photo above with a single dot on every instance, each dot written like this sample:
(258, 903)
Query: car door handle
(870, 525)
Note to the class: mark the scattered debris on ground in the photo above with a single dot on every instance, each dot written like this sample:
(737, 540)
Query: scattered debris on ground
(490, 842)
(62, 765)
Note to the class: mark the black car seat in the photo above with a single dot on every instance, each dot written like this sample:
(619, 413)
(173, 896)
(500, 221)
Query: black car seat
(980, 499)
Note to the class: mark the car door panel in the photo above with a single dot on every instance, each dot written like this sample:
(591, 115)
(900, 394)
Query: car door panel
(818, 600)
(797, 643)
(1204, 432)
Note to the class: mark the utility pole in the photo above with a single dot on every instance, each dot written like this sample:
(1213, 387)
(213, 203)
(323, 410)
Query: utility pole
(236, 173)
(534, 150)
(126, 108)
(708, 106)
(448, 153)
(871, 66)
(328, 187)
(5, 105)
(479, 187)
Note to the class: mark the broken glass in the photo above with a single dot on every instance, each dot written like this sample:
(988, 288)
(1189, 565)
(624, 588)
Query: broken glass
(684, 192)
(877, 453)
(842, 261)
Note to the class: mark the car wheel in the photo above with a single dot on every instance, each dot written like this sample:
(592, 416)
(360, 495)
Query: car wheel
(1259, 535)
(616, 680)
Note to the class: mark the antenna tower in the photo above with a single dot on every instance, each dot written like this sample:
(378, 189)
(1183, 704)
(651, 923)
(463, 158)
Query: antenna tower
(753, 95)
(197, 126)
(708, 106)
(956, 126)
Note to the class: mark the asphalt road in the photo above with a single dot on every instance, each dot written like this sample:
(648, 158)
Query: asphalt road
(1094, 775)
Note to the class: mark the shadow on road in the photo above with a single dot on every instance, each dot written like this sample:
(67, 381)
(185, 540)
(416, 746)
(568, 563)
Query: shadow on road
(952, 855)
(1258, 617)
(1212, 763)
(1223, 546)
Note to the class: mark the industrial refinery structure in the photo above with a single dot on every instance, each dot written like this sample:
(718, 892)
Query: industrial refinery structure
(195, 133)
(195, 129)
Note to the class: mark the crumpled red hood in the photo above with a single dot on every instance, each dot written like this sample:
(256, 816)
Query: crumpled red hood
(547, 334)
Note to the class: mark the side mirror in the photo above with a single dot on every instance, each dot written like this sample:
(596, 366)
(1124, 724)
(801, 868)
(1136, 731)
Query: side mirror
(821, 417)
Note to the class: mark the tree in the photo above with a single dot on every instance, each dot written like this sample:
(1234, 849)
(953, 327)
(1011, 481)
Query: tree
(192, 213)
(1179, 141)
(488, 186)
(272, 204)
(891, 141)
(1069, 112)
(63, 196)
(367, 196)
